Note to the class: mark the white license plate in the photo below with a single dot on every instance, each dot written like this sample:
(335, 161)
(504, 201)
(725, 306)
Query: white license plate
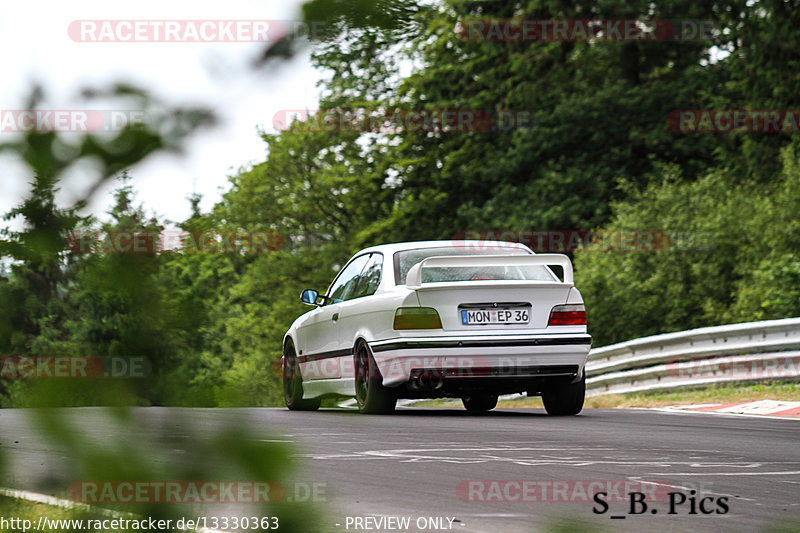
(474, 317)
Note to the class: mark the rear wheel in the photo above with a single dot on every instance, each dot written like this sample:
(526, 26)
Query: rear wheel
(372, 397)
(565, 399)
(293, 382)
(479, 403)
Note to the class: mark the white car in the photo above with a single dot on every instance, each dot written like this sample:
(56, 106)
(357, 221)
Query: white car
(457, 319)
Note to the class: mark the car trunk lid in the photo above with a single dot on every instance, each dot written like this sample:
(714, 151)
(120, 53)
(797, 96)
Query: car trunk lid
(478, 304)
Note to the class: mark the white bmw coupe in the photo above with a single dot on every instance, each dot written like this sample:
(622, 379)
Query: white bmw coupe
(441, 319)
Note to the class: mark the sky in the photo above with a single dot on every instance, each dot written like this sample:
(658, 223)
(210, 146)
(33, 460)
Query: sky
(38, 40)
(38, 49)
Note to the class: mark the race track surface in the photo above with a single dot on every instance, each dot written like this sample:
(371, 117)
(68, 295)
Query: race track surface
(507, 471)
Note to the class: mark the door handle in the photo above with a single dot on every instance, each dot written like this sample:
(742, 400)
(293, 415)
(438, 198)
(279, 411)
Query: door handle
(335, 317)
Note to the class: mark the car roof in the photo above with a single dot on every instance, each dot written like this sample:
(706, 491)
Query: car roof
(478, 244)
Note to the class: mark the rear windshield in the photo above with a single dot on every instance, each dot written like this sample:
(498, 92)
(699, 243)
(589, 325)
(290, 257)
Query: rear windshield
(405, 259)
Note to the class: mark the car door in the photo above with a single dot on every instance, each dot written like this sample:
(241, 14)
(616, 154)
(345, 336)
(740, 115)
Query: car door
(357, 308)
(320, 333)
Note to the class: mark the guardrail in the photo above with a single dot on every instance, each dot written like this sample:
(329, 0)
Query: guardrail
(752, 351)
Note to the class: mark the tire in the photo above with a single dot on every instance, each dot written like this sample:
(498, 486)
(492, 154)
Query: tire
(293, 383)
(566, 399)
(372, 397)
(479, 403)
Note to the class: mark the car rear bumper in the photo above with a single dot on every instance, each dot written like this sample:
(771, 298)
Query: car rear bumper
(481, 357)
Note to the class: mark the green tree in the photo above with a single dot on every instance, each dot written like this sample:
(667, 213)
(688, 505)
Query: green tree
(36, 299)
(33, 292)
(731, 256)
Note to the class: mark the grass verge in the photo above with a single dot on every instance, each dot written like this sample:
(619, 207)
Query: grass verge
(716, 394)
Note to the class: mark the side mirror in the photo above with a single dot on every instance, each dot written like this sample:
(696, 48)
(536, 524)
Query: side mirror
(309, 296)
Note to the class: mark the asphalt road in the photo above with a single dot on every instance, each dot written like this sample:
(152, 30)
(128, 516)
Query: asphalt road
(510, 470)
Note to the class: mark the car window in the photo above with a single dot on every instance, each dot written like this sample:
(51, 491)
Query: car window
(405, 259)
(369, 279)
(534, 272)
(347, 280)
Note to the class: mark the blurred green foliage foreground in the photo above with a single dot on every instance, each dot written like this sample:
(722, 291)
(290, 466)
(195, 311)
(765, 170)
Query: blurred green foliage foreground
(595, 152)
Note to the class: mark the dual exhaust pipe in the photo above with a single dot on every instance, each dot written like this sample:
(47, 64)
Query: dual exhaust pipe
(424, 381)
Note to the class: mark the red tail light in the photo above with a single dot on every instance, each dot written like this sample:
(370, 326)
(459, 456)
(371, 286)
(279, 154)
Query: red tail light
(417, 318)
(568, 315)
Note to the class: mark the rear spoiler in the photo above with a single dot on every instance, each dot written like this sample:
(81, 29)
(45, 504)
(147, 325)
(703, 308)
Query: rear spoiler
(414, 277)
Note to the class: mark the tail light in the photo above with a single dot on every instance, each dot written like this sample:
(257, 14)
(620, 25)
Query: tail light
(567, 315)
(417, 318)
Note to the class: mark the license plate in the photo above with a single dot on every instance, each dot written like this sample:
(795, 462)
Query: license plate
(474, 317)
